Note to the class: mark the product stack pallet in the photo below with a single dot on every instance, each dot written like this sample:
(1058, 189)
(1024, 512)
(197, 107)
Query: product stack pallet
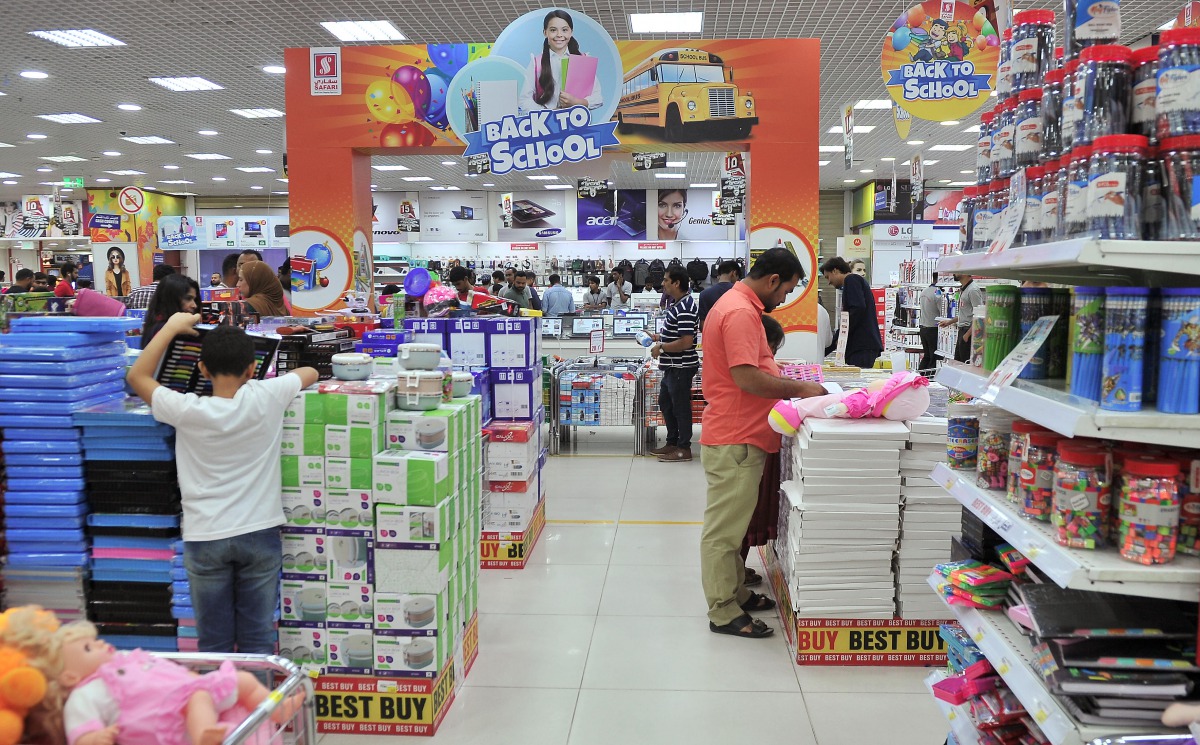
(515, 507)
(52, 367)
(381, 564)
(133, 490)
(929, 520)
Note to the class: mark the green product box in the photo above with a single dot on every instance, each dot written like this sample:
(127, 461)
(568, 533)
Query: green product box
(302, 471)
(349, 512)
(352, 441)
(407, 477)
(304, 507)
(303, 439)
(422, 570)
(406, 614)
(348, 473)
(474, 404)
(437, 430)
(357, 408)
(308, 407)
(414, 524)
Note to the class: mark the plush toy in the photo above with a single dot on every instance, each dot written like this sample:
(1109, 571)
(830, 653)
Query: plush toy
(1181, 714)
(903, 396)
(21, 688)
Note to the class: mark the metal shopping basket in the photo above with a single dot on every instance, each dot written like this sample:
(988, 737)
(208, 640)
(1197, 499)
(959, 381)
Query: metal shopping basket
(613, 397)
(286, 680)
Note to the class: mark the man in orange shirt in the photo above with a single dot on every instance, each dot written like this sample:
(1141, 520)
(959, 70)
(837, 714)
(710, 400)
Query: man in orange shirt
(741, 384)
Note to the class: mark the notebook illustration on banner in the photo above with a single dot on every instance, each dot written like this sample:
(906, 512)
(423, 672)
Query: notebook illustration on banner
(490, 101)
(578, 70)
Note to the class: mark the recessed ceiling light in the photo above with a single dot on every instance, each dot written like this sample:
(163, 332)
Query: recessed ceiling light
(374, 186)
(363, 30)
(445, 188)
(282, 180)
(949, 123)
(35, 136)
(944, 181)
(972, 129)
(279, 192)
(176, 181)
(489, 184)
(966, 172)
(449, 163)
(6, 174)
(392, 168)
(171, 168)
(1168, 25)
(257, 113)
(416, 178)
(962, 183)
(559, 186)
(129, 107)
(45, 169)
(69, 118)
(65, 188)
(103, 181)
(148, 140)
(208, 156)
(207, 132)
(932, 162)
(670, 175)
(916, 142)
(34, 74)
(63, 158)
(830, 149)
(874, 103)
(702, 186)
(867, 170)
(111, 153)
(150, 188)
(951, 148)
(218, 178)
(255, 187)
(274, 69)
(887, 160)
(79, 37)
(5, 144)
(190, 83)
(823, 162)
(127, 172)
(849, 180)
(676, 164)
(10, 182)
(859, 129)
(542, 178)
(263, 151)
(255, 169)
(666, 23)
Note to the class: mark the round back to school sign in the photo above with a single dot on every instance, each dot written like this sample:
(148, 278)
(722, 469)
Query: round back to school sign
(940, 59)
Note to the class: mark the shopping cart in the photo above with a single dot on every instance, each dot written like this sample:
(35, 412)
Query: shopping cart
(299, 729)
(595, 392)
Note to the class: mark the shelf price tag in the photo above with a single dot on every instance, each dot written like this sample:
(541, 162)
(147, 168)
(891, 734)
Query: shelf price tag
(952, 715)
(1021, 355)
(1004, 667)
(977, 636)
(1040, 715)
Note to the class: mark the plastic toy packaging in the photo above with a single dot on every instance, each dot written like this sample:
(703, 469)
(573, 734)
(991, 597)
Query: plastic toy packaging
(973, 574)
(1179, 364)
(1124, 346)
(1145, 93)
(1181, 165)
(1148, 524)
(1087, 342)
(1108, 79)
(1032, 51)
(1014, 561)
(1028, 128)
(1018, 443)
(1052, 112)
(995, 427)
(1082, 496)
(1114, 200)
(1003, 705)
(1036, 489)
(1176, 108)
(983, 148)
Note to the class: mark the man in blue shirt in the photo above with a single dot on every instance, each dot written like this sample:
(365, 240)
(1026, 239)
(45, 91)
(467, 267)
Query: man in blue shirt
(728, 272)
(863, 343)
(557, 299)
(675, 350)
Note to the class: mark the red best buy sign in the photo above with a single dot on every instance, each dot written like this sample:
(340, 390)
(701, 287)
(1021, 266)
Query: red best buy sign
(364, 705)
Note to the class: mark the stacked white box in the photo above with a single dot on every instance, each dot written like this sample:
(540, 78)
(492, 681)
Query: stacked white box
(930, 518)
(841, 517)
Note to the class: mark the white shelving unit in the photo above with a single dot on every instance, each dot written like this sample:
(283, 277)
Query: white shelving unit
(1087, 262)
(958, 716)
(1073, 416)
(1103, 569)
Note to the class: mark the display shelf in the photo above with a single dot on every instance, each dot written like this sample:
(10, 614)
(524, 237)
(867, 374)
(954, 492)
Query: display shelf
(1072, 416)
(1012, 656)
(1085, 261)
(1102, 570)
(906, 329)
(958, 717)
(946, 353)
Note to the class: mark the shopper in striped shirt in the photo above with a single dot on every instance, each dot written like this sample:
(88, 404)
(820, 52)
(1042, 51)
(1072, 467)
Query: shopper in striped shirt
(675, 350)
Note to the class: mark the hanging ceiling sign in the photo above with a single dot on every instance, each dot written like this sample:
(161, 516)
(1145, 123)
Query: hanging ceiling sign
(939, 60)
(649, 161)
(902, 120)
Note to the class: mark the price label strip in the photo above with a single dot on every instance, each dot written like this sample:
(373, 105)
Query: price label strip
(1012, 365)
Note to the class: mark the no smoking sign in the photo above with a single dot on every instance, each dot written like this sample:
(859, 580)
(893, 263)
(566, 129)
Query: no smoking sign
(131, 200)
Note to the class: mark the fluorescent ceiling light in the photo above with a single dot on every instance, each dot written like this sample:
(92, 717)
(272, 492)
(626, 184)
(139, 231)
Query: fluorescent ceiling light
(670, 175)
(363, 30)
(1168, 25)
(10, 183)
(830, 149)
(279, 192)
(69, 118)
(417, 178)
(255, 169)
(207, 132)
(127, 172)
(849, 180)
(823, 162)
(966, 172)
(274, 69)
(208, 156)
(255, 187)
(993, 94)
(887, 160)
(874, 103)
(129, 107)
(489, 184)
(666, 23)
(859, 129)
(916, 142)
(676, 164)
(974, 129)
(45, 169)
(176, 181)
(962, 183)
(263, 151)
(110, 153)
(932, 162)
(34, 74)
(103, 181)
(257, 113)
(150, 188)
(449, 163)
(185, 193)
(148, 140)
(218, 178)
(79, 37)
(35, 136)
(951, 148)
(559, 186)
(702, 186)
(5, 144)
(391, 168)
(445, 188)
(6, 174)
(867, 170)
(171, 168)
(282, 180)
(944, 181)
(63, 158)
(949, 122)
(542, 178)
(188, 84)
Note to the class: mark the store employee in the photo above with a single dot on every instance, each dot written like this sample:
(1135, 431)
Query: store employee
(970, 295)
(619, 291)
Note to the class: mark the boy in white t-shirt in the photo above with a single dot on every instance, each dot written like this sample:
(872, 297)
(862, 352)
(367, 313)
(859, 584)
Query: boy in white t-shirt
(227, 454)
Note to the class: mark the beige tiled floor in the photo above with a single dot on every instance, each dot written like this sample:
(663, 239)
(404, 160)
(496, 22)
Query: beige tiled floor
(602, 638)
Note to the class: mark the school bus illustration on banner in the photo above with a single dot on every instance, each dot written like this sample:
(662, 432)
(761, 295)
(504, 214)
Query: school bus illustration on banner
(689, 94)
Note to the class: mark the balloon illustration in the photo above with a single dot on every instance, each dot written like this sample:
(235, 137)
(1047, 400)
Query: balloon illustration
(388, 102)
(409, 134)
(439, 84)
(416, 85)
(993, 41)
(988, 29)
(900, 39)
(449, 58)
(979, 19)
(478, 51)
(901, 21)
(981, 42)
(916, 16)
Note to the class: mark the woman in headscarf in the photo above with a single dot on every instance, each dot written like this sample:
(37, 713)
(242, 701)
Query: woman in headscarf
(260, 287)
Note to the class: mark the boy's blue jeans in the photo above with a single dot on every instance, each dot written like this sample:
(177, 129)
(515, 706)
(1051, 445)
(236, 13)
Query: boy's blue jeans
(235, 591)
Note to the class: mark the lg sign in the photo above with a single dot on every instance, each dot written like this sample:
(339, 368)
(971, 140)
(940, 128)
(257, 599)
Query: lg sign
(893, 230)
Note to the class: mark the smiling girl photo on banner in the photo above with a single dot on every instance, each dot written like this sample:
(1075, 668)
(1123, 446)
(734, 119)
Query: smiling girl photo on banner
(562, 75)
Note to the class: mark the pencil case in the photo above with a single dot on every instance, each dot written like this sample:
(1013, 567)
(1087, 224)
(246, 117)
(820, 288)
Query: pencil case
(65, 369)
(44, 498)
(40, 324)
(45, 510)
(39, 396)
(49, 460)
(71, 559)
(57, 409)
(55, 382)
(19, 349)
(48, 547)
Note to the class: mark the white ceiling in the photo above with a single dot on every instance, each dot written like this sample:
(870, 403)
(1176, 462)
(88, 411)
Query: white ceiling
(229, 41)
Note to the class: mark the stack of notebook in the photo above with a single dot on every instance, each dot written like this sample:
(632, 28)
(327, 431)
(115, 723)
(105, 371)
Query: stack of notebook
(842, 517)
(134, 494)
(930, 519)
(51, 367)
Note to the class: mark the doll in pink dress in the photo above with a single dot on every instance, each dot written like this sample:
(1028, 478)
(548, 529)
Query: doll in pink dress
(99, 696)
(902, 396)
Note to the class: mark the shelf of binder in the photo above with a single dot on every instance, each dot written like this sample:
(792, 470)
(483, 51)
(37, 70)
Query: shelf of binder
(1073, 416)
(1085, 261)
(957, 716)
(1011, 655)
(1102, 570)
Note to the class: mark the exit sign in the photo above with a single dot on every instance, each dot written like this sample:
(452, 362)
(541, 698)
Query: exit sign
(73, 181)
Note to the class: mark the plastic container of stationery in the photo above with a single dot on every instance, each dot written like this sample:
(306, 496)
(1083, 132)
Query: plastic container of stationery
(46, 497)
(51, 381)
(32, 421)
(46, 510)
(39, 324)
(47, 559)
(45, 472)
(30, 409)
(63, 369)
(57, 339)
(19, 348)
(41, 434)
(55, 394)
(51, 460)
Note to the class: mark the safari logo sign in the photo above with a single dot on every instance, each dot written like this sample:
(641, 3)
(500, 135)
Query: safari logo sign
(939, 59)
(326, 68)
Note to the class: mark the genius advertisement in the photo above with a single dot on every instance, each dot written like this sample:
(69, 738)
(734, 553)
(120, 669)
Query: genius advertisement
(685, 215)
(939, 60)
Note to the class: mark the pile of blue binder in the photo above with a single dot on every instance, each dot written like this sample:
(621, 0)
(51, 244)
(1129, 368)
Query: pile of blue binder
(50, 368)
(133, 490)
